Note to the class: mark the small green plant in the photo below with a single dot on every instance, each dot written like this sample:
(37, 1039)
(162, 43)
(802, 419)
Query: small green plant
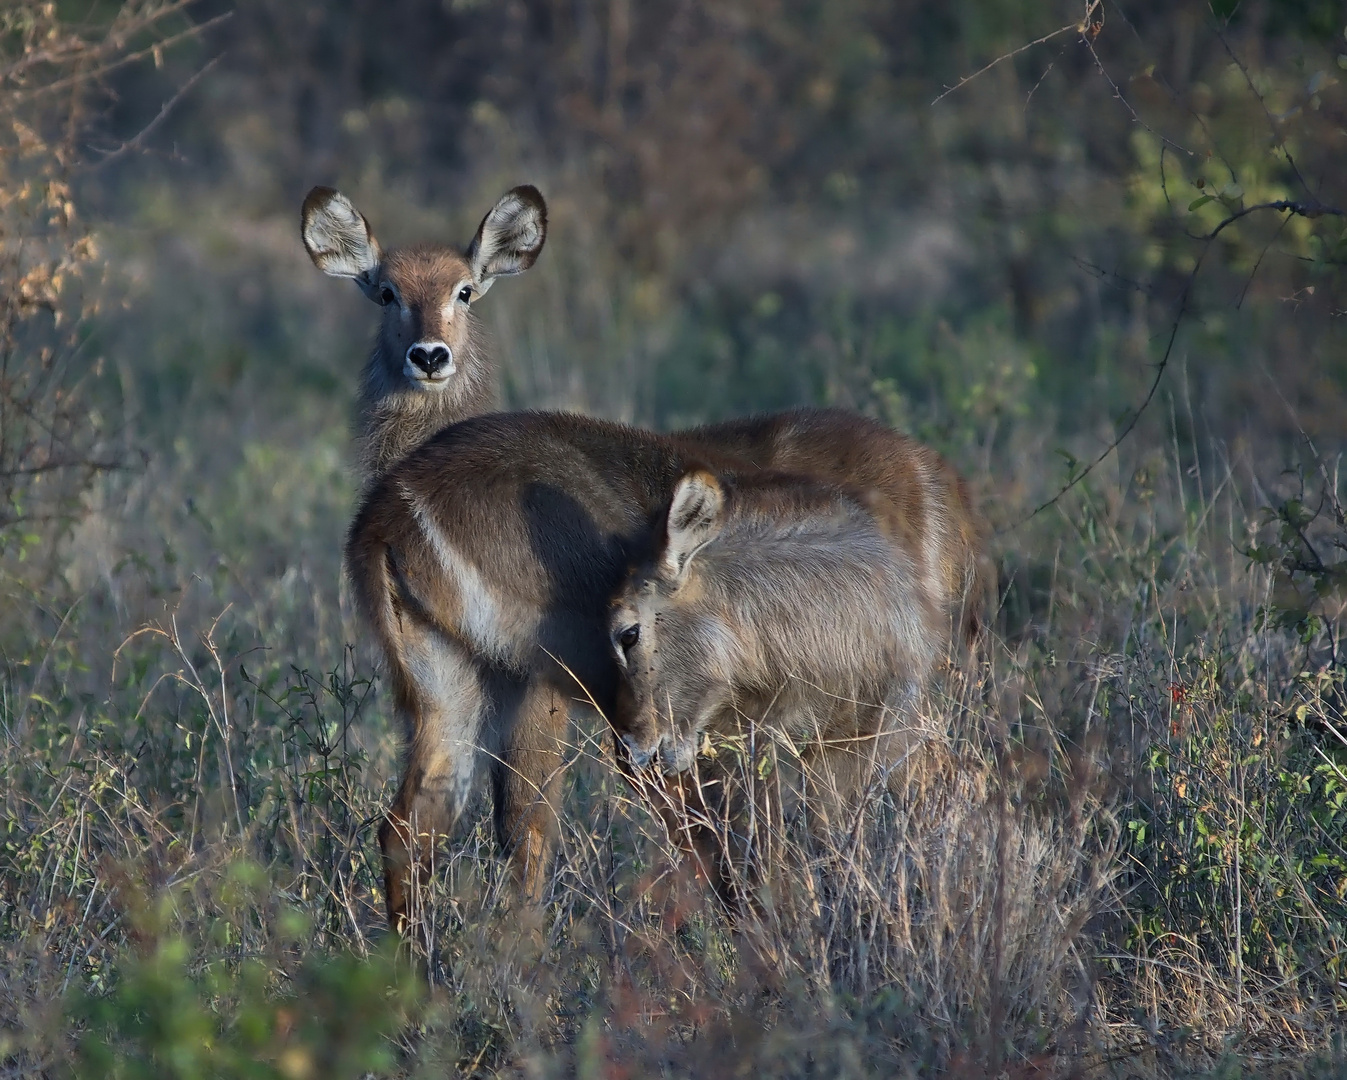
(172, 1013)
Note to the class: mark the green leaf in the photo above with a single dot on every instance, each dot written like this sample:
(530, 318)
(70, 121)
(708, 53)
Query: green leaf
(1201, 200)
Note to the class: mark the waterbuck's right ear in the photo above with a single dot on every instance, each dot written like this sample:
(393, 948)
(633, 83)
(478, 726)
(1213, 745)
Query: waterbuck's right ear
(338, 239)
(509, 237)
(696, 516)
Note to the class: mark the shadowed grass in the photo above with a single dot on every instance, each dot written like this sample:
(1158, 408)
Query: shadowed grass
(1122, 844)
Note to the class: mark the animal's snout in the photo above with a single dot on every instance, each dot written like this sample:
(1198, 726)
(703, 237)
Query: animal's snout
(677, 754)
(640, 756)
(431, 359)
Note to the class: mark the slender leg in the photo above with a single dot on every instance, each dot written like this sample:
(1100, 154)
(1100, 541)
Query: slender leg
(445, 703)
(526, 780)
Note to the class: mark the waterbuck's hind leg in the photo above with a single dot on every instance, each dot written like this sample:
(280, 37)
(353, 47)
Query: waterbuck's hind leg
(527, 764)
(445, 703)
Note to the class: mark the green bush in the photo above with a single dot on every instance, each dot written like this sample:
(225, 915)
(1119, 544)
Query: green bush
(168, 1014)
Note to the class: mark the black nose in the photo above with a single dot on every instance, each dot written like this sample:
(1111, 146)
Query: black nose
(432, 359)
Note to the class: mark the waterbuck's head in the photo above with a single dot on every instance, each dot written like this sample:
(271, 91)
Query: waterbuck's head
(427, 368)
(672, 646)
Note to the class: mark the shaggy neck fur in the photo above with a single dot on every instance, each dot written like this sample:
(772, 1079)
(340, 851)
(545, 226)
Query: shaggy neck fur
(394, 416)
(823, 593)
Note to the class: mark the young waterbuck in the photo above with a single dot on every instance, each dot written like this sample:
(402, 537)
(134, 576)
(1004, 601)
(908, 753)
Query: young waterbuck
(484, 559)
(793, 619)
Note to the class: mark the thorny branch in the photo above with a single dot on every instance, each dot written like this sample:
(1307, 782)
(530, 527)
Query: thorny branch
(137, 142)
(74, 48)
(157, 49)
(1279, 142)
(1086, 26)
(1310, 208)
(1289, 206)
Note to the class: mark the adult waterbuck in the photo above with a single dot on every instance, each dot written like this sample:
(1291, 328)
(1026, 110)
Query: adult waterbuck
(429, 367)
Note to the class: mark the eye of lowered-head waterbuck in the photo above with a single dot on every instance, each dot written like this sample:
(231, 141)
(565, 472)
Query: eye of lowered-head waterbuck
(428, 368)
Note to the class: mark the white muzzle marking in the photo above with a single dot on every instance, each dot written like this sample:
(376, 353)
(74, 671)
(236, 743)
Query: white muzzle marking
(429, 364)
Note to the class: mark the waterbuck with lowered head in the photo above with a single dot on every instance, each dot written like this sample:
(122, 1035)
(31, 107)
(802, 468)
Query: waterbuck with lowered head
(789, 613)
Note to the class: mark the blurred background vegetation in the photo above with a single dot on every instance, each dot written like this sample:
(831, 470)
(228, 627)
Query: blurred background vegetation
(754, 204)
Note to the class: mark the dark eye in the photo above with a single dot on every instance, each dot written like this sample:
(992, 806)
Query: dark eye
(386, 296)
(629, 637)
(465, 293)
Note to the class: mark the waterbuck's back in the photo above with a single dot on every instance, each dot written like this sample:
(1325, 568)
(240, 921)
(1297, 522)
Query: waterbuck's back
(509, 533)
(812, 587)
(917, 497)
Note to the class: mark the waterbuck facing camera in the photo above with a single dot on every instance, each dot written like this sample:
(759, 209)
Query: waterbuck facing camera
(428, 367)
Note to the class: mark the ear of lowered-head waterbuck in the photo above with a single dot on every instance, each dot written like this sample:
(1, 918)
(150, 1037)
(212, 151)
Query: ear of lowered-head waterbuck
(338, 239)
(509, 238)
(696, 516)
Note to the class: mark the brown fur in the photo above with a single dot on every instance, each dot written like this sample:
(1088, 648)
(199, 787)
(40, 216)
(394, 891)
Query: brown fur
(781, 611)
(426, 292)
(484, 556)
(484, 561)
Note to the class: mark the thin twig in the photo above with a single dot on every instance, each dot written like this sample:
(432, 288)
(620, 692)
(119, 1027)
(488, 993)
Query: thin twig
(1279, 141)
(111, 43)
(1079, 28)
(120, 62)
(1310, 209)
(1118, 94)
(137, 142)
(1259, 262)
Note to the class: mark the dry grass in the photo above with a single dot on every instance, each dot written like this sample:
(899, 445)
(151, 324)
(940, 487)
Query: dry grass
(1120, 854)
(193, 807)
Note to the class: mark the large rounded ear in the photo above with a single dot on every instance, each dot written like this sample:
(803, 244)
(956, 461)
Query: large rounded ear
(509, 238)
(338, 239)
(696, 516)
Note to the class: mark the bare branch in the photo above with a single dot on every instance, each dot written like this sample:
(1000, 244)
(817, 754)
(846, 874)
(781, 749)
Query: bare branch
(1311, 209)
(1046, 72)
(121, 61)
(1259, 261)
(137, 142)
(75, 48)
(1081, 27)
(1177, 100)
(1278, 141)
(1088, 42)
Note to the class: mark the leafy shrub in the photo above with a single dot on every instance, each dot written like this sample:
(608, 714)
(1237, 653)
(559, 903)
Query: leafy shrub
(331, 1015)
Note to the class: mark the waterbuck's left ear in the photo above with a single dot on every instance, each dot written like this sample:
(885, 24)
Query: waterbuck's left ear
(696, 516)
(509, 238)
